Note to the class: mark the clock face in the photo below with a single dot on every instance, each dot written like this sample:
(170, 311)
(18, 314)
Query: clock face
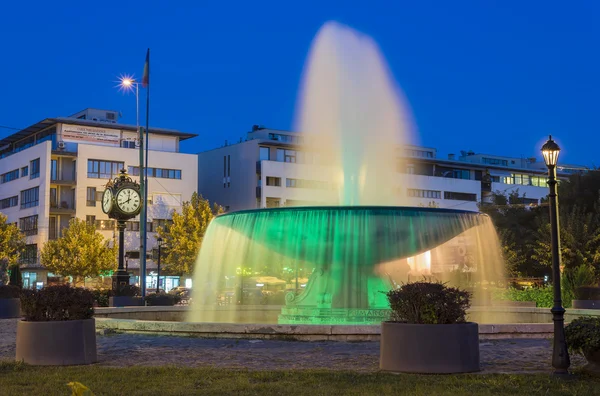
(128, 200)
(107, 200)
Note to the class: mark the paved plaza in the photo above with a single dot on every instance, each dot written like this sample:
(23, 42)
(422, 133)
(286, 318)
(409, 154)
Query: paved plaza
(497, 356)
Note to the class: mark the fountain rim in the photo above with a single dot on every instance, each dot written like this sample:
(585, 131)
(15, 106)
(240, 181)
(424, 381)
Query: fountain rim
(350, 208)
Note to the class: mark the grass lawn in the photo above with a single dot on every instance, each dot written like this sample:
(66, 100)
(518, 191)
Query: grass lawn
(19, 379)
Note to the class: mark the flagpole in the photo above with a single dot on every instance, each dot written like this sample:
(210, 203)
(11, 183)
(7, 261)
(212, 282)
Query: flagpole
(145, 231)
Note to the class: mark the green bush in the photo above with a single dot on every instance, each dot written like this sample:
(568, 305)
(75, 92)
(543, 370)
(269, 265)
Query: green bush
(56, 303)
(583, 335)
(15, 276)
(9, 291)
(101, 296)
(162, 299)
(428, 303)
(543, 296)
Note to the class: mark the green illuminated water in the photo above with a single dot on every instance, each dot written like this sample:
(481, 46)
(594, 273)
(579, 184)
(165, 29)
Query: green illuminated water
(328, 258)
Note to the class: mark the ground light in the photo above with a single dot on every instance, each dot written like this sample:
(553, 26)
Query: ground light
(560, 354)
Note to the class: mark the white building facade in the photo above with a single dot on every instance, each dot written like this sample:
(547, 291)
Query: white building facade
(270, 168)
(56, 169)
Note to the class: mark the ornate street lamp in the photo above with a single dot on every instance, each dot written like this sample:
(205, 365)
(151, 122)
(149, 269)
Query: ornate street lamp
(560, 354)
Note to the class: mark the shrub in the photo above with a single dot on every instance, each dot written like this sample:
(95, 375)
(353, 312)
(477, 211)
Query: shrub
(101, 297)
(581, 276)
(56, 303)
(587, 293)
(162, 299)
(428, 303)
(583, 335)
(15, 276)
(543, 296)
(128, 291)
(9, 291)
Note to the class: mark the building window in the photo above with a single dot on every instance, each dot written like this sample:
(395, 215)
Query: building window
(274, 181)
(273, 202)
(105, 225)
(29, 254)
(156, 172)
(162, 223)
(459, 196)
(302, 183)
(9, 202)
(9, 176)
(35, 168)
(286, 138)
(90, 220)
(91, 196)
(494, 161)
(132, 226)
(104, 169)
(526, 180)
(286, 155)
(128, 144)
(24, 171)
(417, 193)
(265, 153)
(495, 179)
(418, 153)
(29, 225)
(30, 198)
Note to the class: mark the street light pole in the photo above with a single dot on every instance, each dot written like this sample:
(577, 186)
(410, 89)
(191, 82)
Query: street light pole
(159, 240)
(560, 354)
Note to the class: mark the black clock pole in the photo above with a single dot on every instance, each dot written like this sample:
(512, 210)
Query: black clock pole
(121, 277)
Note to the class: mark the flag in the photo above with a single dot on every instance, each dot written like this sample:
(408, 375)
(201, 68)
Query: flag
(146, 75)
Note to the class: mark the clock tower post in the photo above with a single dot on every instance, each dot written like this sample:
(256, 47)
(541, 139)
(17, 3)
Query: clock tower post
(121, 201)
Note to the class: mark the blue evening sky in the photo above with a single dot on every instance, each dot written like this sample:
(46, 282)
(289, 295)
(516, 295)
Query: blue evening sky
(490, 76)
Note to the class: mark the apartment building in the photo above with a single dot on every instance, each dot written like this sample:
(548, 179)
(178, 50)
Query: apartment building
(56, 169)
(271, 168)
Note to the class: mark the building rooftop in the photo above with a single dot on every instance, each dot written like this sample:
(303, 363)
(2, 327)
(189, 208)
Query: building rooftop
(45, 123)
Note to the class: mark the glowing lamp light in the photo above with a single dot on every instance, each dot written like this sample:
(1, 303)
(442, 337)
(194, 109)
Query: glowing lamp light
(550, 151)
(260, 284)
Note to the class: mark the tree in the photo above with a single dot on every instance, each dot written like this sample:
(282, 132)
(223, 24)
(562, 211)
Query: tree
(80, 252)
(516, 224)
(184, 235)
(579, 238)
(12, 241)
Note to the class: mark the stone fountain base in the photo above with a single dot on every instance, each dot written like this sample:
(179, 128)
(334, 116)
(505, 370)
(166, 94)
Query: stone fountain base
(341, 316)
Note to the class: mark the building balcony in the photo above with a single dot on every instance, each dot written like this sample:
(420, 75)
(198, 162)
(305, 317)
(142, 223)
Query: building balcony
(61, 208)
(63, 153)
(258, 192)
(258, 167)
(63, 181)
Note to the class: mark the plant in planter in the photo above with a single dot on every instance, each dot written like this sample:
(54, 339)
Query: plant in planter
(583, 337)
(58, 327)
(162, 299)
(580, 283)
(10, 305)
(427, 331)
(126, 296)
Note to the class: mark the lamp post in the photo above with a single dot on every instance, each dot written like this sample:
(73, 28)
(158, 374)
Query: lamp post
(128, 83)
(159, 240)
(560, 354)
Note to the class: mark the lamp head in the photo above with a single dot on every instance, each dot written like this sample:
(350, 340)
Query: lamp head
(550, 151)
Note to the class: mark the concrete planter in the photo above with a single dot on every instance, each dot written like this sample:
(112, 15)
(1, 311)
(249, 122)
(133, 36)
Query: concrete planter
(125, 301)
(10, 308)
(60, 343)
(429, 349)
(586, 304)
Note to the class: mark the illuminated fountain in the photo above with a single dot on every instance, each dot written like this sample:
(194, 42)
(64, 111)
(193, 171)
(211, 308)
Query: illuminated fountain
(332, 264)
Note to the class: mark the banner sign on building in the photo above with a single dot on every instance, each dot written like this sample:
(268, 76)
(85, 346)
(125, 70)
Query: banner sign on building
(84, 134)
